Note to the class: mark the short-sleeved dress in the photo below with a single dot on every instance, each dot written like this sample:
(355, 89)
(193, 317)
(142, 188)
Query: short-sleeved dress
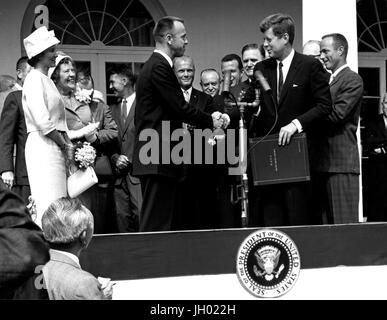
(44, 112)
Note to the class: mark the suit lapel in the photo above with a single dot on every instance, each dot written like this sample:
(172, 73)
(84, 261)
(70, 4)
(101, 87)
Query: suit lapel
(272, 77)
(194, 97)
(289, 78)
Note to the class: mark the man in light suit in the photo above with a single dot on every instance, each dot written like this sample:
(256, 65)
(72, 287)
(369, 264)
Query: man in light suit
(13, 132)
(127, 189)
(336, 150)
(300, 97)
(160, 102)
(68, 228)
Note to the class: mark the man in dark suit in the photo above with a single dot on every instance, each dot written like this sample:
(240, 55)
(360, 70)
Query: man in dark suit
(300, 96)
(251, 55)
(197, 191)
(13, 132)
(22, 249)
(374, 141)
(336, 152)
(161, 109)
(127, 190)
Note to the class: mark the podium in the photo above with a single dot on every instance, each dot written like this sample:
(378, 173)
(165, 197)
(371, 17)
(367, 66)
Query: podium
(274, 164)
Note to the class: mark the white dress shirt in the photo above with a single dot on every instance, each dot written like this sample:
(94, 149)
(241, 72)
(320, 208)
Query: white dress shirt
(187, 94)
(129, 102)
(285, 70)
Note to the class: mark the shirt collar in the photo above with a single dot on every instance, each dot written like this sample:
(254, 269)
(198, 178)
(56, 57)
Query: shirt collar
(288, 60)
(165, 56)
(188, 90)
(129, 98)
(18, 86)
(69, 255)
(339, 70)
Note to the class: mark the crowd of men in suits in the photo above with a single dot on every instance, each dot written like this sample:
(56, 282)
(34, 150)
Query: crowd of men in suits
(321, 97)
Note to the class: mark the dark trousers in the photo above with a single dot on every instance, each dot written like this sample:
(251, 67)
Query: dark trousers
(159, 203)
(23, 191)
(128, 198)
(339, 196)
(284, 204)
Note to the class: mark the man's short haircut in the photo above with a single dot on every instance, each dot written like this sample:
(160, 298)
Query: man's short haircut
(231, 57)
(21, 63)
(64, 221)
(250, 46)
(164, 26)
(185, 58)
(209, 70)
(339, 41)
(281, 24)
(125, 71)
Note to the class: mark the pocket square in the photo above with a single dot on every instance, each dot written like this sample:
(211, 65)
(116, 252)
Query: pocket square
(295, 85)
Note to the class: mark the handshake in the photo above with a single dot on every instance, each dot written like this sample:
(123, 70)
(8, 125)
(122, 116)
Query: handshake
(220, 120)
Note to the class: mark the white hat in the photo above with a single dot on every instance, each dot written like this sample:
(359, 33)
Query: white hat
(58, 59)
(38, 41)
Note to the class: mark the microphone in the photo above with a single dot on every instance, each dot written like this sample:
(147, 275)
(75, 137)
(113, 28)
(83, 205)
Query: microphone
(262, 81)
(226, 82)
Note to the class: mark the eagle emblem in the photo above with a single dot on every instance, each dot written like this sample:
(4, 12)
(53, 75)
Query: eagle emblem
(267, 259)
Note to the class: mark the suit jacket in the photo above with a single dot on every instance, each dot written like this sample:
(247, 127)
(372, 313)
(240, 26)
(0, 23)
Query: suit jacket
(13, 131)
(160, 99)
(305, 94)
(65, 280)
(107, 129)
(374, 133)
(22, 246)
(336, 149)
(124, 143)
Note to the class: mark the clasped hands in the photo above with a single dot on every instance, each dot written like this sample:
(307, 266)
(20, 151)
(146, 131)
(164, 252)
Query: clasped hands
(220, 120)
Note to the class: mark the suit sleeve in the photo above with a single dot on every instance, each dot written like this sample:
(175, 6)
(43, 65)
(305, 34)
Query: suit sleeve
(89, 289)
(348, 98)
(109, 130)
(165, 82)
(8, 128)
(37, 109)
(321, 96)
(22, 246)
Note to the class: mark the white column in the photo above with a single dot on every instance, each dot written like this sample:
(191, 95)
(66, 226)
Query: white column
(333, 16)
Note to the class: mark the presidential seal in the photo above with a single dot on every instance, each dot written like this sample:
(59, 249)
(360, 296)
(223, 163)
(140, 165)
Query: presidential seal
(268, 263)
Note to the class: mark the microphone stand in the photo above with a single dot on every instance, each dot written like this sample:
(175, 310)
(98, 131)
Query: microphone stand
(243, 188)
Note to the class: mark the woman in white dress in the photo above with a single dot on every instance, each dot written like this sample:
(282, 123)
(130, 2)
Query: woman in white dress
(48, 149)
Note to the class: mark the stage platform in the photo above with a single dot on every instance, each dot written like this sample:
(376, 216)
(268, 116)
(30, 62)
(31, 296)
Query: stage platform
(351, 256)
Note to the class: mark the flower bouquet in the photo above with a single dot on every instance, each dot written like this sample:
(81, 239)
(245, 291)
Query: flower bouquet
(84, 177)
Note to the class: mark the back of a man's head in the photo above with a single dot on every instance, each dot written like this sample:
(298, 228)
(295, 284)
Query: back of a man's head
(164, 26)
(280, 24)
(65, 220)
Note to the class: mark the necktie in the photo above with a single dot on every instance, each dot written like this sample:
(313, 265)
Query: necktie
(280, 80)
(186, 96)
(124, 112)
